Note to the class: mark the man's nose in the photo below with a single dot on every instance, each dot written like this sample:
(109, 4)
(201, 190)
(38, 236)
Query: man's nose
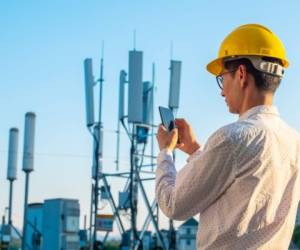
(222, 93)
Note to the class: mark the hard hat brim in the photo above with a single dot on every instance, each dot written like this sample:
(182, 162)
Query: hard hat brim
(215, 67)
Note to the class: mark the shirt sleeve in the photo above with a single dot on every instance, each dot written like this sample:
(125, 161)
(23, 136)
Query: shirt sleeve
(199, 183)
(194, 155)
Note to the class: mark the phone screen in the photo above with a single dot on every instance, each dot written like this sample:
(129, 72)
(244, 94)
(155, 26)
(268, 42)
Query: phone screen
(167, 118)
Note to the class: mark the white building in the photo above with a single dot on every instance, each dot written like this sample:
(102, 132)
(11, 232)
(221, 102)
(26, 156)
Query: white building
(186, 235)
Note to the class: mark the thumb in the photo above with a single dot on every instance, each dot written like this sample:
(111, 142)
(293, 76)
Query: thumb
(180, 145)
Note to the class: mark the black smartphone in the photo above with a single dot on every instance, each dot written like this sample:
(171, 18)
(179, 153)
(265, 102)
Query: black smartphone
(167, 118)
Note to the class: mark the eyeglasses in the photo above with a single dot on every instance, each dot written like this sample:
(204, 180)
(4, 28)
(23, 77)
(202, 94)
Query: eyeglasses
(220, 78)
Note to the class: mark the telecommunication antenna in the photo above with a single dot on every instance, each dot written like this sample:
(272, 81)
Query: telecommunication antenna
(174, 91)
(12, 166)
(134, 39)
(28, 157)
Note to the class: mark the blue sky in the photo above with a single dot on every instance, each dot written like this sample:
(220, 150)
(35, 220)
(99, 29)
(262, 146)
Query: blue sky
(42, 48)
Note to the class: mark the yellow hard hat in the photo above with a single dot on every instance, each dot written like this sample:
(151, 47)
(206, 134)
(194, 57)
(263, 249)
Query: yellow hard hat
(248, 40)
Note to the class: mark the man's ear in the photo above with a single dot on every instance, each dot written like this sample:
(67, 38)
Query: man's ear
(243, 75)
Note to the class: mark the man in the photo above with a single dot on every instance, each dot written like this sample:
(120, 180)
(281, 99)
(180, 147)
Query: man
(245, 182)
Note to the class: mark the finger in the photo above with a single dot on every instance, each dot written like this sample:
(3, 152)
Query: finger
(180, 120)
(174, 131)
(181, 123)
(162, 127)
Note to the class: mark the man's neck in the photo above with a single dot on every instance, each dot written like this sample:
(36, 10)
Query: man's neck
(256, 100)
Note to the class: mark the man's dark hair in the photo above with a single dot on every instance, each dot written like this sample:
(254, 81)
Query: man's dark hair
(263, 81)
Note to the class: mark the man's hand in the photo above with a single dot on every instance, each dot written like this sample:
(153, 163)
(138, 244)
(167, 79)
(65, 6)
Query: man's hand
(188, 142)
(166, 139)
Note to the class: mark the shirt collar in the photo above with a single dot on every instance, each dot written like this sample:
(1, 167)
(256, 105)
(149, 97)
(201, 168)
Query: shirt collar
(261, 109)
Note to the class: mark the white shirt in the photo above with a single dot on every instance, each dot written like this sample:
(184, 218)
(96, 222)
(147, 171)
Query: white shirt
(245, 184)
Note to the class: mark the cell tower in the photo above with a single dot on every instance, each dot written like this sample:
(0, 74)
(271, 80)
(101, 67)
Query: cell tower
(138, 123)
